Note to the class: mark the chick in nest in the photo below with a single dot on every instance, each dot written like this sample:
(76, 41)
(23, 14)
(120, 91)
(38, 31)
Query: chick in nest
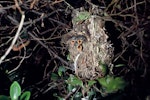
(89, 48)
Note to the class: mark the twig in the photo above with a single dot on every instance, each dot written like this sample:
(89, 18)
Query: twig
(15, 38)
(33, 3)
(17, 6)
(74, 90)
(93, 5)
(139, 3)
(75, 63)
(57, 1)
(20, 60)
(50, 51)
(18, 48)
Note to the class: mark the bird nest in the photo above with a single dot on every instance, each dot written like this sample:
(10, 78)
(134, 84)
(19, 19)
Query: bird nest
(88, 45)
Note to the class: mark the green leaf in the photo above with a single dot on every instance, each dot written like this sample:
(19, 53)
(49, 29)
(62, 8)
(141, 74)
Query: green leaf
(81, 16)
(91, 82)
(15, 90)
(58, 97)
(3, 97)
(77, 96)
(90, 94)
(70, 87)
(61, 69)
(103, 68)
(54, 76)
(73, 80)
(112, 84)
(26, 95)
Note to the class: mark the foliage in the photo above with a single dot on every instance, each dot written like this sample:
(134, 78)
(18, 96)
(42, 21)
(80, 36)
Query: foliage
(103, 68)
(25, 96)
(91, 82)
(15, 93)
(74, 81)
(128, 27)
(81, 16)
(54, 76)
(112, 84)
(61, 70)
(58, 97)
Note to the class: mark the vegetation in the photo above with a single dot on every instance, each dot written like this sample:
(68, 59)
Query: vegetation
(15, 93)
(33, 61)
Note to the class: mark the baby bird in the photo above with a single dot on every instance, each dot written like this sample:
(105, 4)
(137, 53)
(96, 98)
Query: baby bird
(76, 42)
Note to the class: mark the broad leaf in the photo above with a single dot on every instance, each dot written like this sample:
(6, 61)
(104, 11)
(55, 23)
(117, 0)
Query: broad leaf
(77, 96)
(15, 90)
(81, 17)
(61, 70)
(73, 80)
(70, 87)
(26, 95)
(54, 76)
(112, 84)
(58, 97)
(90, 94)
(91, 82)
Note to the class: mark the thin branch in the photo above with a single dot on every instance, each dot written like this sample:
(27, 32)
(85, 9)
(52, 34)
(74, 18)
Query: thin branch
(75, 63)
(50, 51)
(20, 61)
(15, 39)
